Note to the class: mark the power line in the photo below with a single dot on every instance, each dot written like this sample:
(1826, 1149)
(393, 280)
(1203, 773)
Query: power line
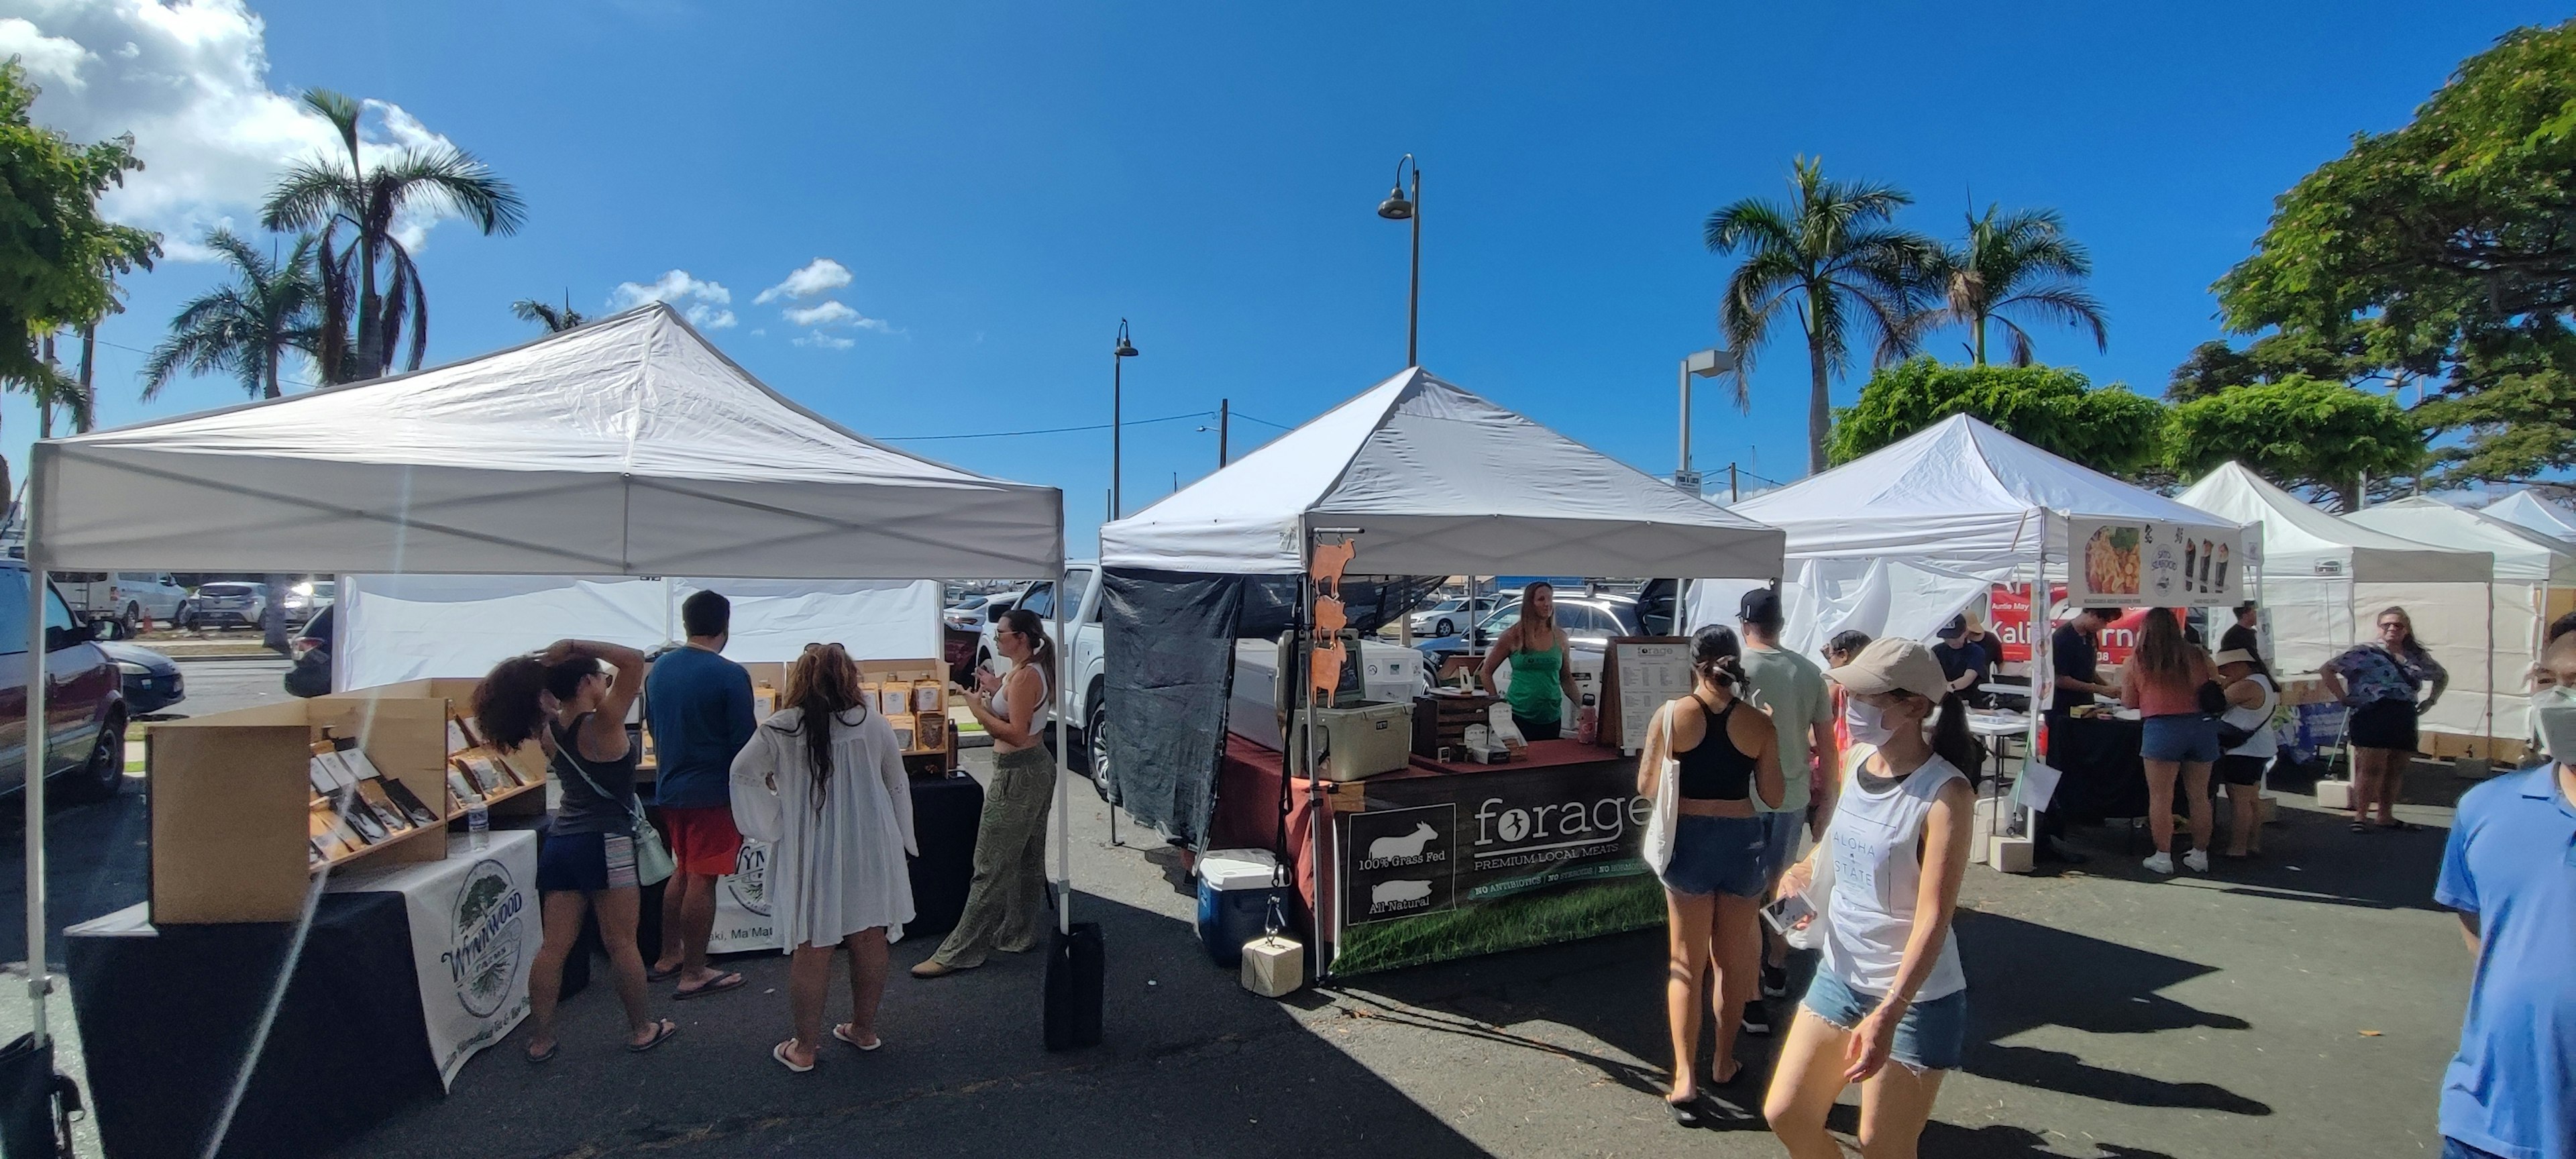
(1196, 414)
(1263, 421)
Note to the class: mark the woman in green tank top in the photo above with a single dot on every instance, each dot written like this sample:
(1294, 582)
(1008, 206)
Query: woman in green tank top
(1541, 680)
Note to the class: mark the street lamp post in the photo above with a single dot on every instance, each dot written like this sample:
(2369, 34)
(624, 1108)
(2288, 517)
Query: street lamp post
(1117, 364)
(1702, 364)
(1398, 207)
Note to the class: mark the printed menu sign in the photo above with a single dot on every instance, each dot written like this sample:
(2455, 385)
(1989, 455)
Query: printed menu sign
(2129, 563)
(1647, 676)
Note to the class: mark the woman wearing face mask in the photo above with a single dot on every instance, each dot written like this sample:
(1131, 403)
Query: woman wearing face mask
(1838, 652)
(2379, 682)
(1727, 751)
(1889, 986)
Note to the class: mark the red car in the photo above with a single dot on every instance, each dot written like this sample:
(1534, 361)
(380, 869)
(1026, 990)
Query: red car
(84, 705)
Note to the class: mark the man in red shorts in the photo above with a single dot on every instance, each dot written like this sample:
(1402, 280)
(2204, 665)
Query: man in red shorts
(698, 705)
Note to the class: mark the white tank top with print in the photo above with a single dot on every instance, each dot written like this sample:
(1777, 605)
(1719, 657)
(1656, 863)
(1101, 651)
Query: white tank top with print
(1874, 840)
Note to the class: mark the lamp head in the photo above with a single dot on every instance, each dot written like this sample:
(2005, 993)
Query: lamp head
(1125, 348)
(1395, 207)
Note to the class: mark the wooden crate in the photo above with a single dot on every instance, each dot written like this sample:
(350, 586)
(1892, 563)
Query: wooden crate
(1441, 721)
(228, 794)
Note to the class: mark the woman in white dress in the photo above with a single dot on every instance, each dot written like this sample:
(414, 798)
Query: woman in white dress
(822, 780)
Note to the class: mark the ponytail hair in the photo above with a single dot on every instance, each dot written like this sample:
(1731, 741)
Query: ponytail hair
(1041, 649)
(1951, 740)
(509, 705)
(1717, 657)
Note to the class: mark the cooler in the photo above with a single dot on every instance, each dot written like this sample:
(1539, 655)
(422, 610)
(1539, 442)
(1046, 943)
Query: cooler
(1356, 743)
(1236, 887)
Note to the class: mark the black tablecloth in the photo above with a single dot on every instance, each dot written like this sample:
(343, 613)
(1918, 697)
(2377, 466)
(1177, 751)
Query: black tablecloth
(945, 814)
(166, 1020)
(2101, 775)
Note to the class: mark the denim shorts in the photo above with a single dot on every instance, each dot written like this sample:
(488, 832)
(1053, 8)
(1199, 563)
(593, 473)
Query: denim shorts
(1779, 842)
(1716, 855)
(1931, 1036)
(2181, 737)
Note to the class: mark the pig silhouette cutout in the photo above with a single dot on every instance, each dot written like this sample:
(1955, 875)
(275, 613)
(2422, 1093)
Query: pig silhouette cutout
(1403, 845)
(1385, 892)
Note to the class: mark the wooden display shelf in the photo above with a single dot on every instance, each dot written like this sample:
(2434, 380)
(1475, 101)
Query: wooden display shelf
(229, 795)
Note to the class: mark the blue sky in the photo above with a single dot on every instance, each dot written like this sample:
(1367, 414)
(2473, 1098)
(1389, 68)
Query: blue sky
(1004, 182)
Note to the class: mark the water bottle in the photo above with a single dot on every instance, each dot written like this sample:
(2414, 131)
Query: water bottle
(478, 823)
(1587, 722)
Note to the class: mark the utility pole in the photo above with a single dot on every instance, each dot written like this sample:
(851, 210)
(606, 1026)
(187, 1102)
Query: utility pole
(1224, 419)
(1730, 483)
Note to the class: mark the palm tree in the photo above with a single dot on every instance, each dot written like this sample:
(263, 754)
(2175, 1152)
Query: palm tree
(245, 329)
(368, 200)
(1834, 259)
(2018, 262)
(556, 319)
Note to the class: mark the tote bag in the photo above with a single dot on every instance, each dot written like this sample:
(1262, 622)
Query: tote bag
(1668, 804)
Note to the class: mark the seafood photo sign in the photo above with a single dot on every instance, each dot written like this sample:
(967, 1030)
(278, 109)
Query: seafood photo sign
(2130, 563)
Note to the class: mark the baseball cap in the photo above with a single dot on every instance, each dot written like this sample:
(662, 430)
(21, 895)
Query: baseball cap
(1760, 606)
(1892, 665)
(1957, 627)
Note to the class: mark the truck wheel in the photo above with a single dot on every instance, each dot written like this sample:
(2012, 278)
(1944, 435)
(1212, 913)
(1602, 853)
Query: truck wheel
(128, 621)
(1095, 743)
(103, 775)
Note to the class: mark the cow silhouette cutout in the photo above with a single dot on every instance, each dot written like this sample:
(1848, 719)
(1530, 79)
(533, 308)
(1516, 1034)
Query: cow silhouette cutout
(1330, 559)
(1398, 891)
(1402, 845)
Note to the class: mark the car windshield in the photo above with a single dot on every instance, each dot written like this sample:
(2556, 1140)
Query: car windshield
(225, 589)
(1503, 617)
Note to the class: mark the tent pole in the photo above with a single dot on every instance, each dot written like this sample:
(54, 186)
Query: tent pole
(1306, 751)
(1063, 806)
(36, 765)
(2043, 667)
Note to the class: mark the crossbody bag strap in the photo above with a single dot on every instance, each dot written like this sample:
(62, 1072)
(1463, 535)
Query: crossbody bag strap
(572, 753)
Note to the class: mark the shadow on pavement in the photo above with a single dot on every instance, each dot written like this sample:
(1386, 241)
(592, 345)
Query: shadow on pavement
(97, 861)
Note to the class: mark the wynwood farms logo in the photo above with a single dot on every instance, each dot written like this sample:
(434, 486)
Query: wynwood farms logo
(490, 931)
(750, 880)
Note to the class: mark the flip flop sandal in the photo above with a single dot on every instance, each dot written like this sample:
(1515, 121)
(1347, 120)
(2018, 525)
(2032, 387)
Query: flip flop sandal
(841, 1031)
(779, 1052)
(2362, 827)
(663, 1031)
(1687, 1113)
(719, 986)
(542, 1059)
(657, 974)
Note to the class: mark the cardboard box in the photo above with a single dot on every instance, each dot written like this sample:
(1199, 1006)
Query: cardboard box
(2334, 794)
(2010, 854)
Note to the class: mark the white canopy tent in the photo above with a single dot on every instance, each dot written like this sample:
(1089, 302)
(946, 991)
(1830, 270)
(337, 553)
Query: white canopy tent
(1901, 539)
(629, 446)
(2533, 513)
(2535, 580)
(1438, 482)
(391, 628)
(2324, 577)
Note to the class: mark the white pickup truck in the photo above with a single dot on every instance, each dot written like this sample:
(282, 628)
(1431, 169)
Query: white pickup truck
(1082, 703)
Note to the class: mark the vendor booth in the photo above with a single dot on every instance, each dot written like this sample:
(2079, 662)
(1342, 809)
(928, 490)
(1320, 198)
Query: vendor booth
(2486, 711)
(626, 448)
(2325, 578)
(1330, 531)
(2533, 513)
(1898, 541)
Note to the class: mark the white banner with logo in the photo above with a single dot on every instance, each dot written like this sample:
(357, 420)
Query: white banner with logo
(474, 929)
(742, 905)
(2134, 563)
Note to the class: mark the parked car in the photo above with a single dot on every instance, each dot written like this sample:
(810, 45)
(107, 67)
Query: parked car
(309, 597)
(1589, 622)
(1441, 618)
(225, 602)
(128, 598)
(966, 614)
(311, 652)
(85, 710)
(152, 681)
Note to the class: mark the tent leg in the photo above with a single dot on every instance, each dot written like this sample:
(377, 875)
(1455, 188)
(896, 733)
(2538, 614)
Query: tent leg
(1063, 803)
(39, 981)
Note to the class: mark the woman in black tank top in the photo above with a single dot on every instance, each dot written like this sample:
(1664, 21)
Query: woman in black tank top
(573, 699)
(1726, 752)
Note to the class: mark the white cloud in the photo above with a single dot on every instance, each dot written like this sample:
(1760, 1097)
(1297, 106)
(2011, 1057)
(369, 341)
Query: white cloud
(833, 313)
(815, 277)
(701, 302)
(760, 332)
(827, 341)
(189, 79)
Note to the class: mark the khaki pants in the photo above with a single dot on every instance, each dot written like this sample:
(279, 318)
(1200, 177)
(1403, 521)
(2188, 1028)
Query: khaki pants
(1009, 892)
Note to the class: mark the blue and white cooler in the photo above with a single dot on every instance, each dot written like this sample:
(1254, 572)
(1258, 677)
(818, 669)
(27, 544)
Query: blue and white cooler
(1236, 887)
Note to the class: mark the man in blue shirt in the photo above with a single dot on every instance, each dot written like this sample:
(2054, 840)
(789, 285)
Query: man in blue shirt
(698, 705)
(2510, 871)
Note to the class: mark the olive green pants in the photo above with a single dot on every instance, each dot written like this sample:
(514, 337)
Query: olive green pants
(1004, 905)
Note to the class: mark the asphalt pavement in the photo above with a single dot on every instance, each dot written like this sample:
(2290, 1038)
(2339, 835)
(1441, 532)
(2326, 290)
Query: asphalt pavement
(2303, 1006)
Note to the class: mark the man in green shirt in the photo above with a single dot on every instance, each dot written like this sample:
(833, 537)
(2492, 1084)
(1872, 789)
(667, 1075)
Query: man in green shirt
(1792, 689)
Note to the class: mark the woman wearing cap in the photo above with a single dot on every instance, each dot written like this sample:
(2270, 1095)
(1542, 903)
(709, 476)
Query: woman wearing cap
(1726, 751)
(2250, 701)
(2163, 680)
(1890, 986)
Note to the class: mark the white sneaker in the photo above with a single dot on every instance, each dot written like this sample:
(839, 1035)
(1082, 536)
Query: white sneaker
(2160, 863)
(2196, 861)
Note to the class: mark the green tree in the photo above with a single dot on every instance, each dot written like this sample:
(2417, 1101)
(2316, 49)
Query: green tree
(2018, 263)
(2447, 249)
(58, 260)
(367, 200)
(2215, 365)
(246, 329)
(1831, 257)
(556, 319)
(2303, 432)
(2111, 430)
